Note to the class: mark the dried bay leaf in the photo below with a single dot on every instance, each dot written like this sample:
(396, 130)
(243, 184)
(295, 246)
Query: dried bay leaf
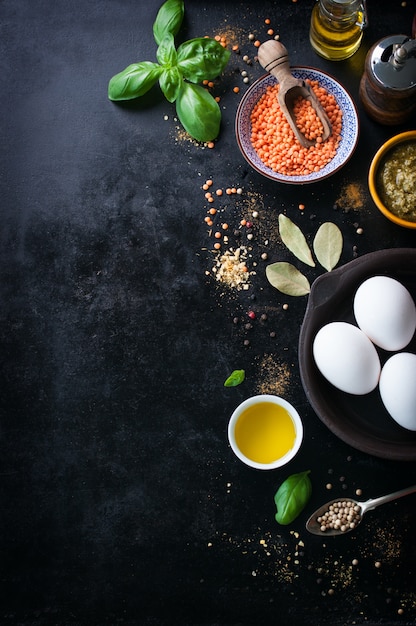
(287, 279)
(295, 240)
(327, 245)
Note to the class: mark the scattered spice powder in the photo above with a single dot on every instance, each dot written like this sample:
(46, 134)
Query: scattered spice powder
(273, 377)
(351, 197)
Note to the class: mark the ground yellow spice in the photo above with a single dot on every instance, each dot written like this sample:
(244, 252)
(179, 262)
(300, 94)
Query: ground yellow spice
(351, 197)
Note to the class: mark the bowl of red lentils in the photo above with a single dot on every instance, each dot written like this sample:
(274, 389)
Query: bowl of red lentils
(268, 143)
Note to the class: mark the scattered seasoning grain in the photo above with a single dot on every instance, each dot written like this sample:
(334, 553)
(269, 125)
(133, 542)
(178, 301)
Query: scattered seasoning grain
(231, 268)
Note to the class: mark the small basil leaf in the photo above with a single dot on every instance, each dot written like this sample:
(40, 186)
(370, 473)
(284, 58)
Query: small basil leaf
(198, 112)
(134, 81)
(166, 52)
(292, 497)
(202, 59)
(170, 82)
(168, 19)
(235, 378)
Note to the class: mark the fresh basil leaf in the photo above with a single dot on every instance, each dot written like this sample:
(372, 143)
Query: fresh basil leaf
(134, 81)
(235, 378)
(327, 245)
(287, 279)
(166, 52)
(202, 59)
(294, 239)
(198, 112)
(168, 20)
(292, 497)
(170, 82)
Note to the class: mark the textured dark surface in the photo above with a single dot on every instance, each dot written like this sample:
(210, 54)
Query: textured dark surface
(121, 501)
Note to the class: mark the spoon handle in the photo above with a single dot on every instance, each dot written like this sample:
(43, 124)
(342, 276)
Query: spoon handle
(375, 502)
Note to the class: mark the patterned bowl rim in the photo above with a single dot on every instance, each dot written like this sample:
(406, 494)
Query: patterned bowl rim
(249, 153)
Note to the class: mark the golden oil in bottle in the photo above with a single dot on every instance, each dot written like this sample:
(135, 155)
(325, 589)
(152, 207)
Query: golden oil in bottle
(337, 28)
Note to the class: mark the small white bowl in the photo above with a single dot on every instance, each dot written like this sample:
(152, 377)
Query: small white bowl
(349, 133)
(297, 423)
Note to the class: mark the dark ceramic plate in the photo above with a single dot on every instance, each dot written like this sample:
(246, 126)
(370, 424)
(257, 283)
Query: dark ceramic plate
(360, 421)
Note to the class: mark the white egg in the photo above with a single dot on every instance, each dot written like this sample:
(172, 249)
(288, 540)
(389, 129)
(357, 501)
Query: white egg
(398, 388)
(385, 311)
(347, 358)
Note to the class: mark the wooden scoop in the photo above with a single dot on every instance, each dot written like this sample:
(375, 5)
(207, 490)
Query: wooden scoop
(274, 57)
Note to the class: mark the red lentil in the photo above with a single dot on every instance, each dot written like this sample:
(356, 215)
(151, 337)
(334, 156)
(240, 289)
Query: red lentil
(275, 142)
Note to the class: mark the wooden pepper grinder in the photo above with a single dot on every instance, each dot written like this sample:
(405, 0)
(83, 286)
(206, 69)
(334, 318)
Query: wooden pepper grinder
(388, 85)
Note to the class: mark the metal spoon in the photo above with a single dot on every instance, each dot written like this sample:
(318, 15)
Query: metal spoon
(273, 57)
(314, 526)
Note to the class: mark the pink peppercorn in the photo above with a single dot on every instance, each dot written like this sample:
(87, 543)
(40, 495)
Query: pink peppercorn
(252, 315)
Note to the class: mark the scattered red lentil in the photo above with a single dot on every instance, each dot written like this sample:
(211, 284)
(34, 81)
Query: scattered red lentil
(211, 144)
(236, 89)
(257, 43)
(267, 21)
(270, 31)
(301, 207)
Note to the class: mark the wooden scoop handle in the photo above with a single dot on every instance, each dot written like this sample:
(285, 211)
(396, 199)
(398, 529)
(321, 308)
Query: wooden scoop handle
(274, 58)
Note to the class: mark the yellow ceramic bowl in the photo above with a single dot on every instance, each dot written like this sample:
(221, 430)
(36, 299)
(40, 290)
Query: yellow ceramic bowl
(372, 176)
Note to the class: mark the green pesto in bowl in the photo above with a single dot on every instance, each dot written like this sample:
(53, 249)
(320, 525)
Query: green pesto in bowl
(396, 180)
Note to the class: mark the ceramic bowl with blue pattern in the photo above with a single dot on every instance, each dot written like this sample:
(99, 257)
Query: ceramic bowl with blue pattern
(349, 134)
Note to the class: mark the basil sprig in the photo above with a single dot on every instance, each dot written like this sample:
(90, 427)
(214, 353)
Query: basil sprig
(178, 71)
(292, 497)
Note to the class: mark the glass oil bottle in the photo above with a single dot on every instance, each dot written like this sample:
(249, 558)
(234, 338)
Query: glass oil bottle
(336, 28)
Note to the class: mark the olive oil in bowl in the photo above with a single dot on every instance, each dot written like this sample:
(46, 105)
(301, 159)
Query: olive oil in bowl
(265, 431)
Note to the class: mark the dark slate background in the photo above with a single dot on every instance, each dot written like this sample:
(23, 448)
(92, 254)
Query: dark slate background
(121, 501)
